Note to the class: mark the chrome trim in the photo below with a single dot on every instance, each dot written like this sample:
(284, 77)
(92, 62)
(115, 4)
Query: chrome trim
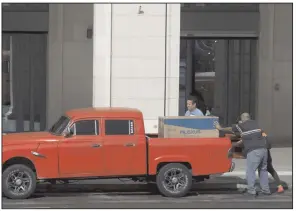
(230, 153)
(232, 167)
(96, 145)
(38, 154)
(130, 145)
(74, 125)
(96, 128)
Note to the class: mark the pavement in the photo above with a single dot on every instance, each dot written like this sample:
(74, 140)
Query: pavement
(221, 191)
(147, 200)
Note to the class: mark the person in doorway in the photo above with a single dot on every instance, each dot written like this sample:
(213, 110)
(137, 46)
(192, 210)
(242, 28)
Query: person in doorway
(201, 105)
(255, 150)
(192, 109)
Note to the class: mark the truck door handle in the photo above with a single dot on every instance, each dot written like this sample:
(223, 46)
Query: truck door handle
(130, 145)
(96, 145)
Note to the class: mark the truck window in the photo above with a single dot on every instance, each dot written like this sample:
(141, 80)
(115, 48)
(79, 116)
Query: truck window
(119, 127)
(59, 127)
(85, 127)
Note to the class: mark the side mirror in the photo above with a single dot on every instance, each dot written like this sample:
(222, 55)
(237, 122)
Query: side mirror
(68, 133)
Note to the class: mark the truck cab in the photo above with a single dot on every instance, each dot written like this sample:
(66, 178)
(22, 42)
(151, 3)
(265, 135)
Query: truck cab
(112, 135)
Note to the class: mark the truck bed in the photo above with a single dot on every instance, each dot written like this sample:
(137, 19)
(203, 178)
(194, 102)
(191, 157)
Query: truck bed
(205, 155)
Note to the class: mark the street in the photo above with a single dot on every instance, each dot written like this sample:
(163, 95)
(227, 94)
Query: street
(147, 200)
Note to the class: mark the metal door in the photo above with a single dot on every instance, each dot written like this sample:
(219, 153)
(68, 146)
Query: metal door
(222, 74)
(236, 73)
(26, 64)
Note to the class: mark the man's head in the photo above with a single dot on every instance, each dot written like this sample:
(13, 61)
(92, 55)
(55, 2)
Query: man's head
(245, 117)
(191, 103)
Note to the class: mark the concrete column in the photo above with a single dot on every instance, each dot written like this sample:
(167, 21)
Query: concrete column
(138, 59)
(275, 71)
(102, 57)
(145, 59)
(55, 63)
(70, 72)
(173, 59)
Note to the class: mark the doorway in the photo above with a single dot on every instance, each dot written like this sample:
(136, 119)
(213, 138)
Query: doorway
(24, 81)
(221, 73)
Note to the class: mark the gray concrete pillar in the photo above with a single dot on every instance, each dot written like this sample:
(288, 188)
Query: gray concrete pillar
(275, 71)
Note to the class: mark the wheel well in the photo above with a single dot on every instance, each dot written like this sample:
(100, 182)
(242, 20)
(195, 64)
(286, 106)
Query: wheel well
(160, 165)
(18, 160)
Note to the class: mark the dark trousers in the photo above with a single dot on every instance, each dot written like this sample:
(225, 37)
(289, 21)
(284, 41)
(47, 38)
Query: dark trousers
(271, 170)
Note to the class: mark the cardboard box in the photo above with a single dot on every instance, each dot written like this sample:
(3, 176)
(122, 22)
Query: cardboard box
(188, 127)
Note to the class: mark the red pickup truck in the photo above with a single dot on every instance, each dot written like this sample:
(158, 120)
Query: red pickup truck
(97, 143)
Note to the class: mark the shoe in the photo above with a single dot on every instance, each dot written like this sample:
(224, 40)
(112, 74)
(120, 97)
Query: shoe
(264, 193)
(280, 189)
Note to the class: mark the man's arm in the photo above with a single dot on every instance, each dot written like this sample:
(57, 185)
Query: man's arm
(218, 127)
(238, 144)
(235, 128)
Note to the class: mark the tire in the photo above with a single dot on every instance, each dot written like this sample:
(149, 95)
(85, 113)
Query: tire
(28, 182)
(165, 172)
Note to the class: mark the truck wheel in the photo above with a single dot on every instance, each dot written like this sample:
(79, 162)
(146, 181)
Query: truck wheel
(174, 180)
(18, 182)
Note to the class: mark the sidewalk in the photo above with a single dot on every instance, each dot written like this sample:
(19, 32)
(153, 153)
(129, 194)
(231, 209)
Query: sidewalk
(282, 159)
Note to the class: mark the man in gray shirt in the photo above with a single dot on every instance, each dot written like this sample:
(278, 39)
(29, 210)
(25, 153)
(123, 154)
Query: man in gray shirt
(255, 150)
(191, 106)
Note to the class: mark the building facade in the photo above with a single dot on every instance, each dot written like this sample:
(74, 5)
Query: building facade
(238, 57)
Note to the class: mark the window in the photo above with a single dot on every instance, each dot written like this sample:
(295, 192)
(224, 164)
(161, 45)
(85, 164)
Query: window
(60, 125)
(86, 127)
(119, 127)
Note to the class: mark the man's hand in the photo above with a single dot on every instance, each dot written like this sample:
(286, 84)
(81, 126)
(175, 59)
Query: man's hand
(217, 125)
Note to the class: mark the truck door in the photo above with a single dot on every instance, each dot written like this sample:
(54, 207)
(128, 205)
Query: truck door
(124, 148)
(81, 154)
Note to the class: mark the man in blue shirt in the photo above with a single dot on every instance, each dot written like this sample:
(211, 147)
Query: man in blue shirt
(191, 106)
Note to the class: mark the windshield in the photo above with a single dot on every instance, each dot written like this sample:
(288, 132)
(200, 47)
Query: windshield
(60, 125)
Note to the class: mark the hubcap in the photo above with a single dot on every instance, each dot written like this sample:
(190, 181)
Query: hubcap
(18, 182)
(175, 180)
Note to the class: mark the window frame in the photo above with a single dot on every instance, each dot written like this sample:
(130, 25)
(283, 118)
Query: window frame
(126, 119)
(97, 127)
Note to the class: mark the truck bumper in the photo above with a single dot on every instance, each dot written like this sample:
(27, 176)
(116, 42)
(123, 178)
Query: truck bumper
(232, 167)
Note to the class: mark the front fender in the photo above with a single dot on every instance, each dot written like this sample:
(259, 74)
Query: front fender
(12, 151)
(166, 159)
(44, 157)
(46, 160)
